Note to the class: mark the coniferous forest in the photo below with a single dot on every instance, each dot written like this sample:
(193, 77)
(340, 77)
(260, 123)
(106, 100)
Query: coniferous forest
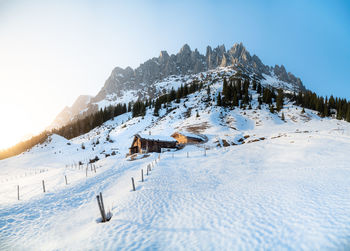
(235, 93)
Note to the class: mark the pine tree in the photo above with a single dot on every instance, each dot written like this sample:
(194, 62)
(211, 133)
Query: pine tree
(348, 113)
(325, 110)
(246, 96)
(254, 84)
(279, 101)
(218, 101)
(259, 88)
(157, 106)
(208, 93)
(225, 93)
(185, 91)
(235, 99)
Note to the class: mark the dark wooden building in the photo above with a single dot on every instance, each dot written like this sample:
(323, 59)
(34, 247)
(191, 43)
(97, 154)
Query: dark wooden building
(151, 143)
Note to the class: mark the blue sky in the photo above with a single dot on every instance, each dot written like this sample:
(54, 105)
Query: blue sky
(53, 51)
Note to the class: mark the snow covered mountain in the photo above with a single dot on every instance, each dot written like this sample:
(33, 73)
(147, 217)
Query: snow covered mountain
(258, 181)
(150, 78)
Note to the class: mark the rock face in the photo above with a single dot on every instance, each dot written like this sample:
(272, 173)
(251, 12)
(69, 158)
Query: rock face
(68, 113)
(184, 62)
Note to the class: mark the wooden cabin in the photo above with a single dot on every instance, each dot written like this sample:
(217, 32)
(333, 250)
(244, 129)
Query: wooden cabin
(151, 143)
(187, 138)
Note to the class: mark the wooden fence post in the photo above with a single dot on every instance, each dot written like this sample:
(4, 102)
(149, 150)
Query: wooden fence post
(187, 154)
(205, 152)
(133, 184)
(86, 171)
(43, 186)
(18, 192)
(141, 175)
(95, 168)
(65, 177)
(101, 207)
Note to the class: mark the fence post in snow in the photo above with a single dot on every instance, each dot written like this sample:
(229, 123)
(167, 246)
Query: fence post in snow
(101, 207)
(95, 168)
(17, 192)
(65, 177)
(43, 186)
(141, 175)
(147, 172)
(133, 184)
(86, 171)
(205, 152)
(187, 155)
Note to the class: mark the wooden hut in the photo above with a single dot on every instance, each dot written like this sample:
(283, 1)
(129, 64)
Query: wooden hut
(187, 138)
(151, 143)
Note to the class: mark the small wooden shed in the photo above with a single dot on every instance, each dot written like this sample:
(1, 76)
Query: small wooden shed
(151, 143)
(187, 138)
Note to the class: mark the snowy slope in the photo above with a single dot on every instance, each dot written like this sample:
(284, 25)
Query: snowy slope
(276, 185)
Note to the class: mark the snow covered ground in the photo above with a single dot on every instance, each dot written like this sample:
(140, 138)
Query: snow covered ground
(290, 192)
(262, 183)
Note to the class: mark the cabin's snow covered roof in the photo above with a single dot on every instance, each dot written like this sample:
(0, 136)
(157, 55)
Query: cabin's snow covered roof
(191, 135)
(156, 137)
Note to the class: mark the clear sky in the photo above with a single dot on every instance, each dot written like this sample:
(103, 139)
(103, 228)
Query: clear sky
(53, 51)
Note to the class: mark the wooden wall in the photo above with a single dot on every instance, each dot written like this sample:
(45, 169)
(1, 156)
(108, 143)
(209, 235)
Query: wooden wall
(144, 145)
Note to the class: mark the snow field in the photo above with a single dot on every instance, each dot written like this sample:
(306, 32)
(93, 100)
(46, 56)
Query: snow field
(255, 196)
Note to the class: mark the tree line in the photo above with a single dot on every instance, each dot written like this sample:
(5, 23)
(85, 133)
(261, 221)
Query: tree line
(236, 94)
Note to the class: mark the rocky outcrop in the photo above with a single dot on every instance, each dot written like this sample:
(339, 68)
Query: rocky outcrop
(68, 113)
(281, 73)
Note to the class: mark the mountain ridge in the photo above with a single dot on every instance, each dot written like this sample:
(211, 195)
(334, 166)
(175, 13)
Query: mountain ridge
(142, 79)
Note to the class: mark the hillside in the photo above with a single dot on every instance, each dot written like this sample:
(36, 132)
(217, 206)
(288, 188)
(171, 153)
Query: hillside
(261, 183)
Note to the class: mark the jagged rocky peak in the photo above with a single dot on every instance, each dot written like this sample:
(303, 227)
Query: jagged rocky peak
(238, 50)
(185, 50)
(164, 56)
